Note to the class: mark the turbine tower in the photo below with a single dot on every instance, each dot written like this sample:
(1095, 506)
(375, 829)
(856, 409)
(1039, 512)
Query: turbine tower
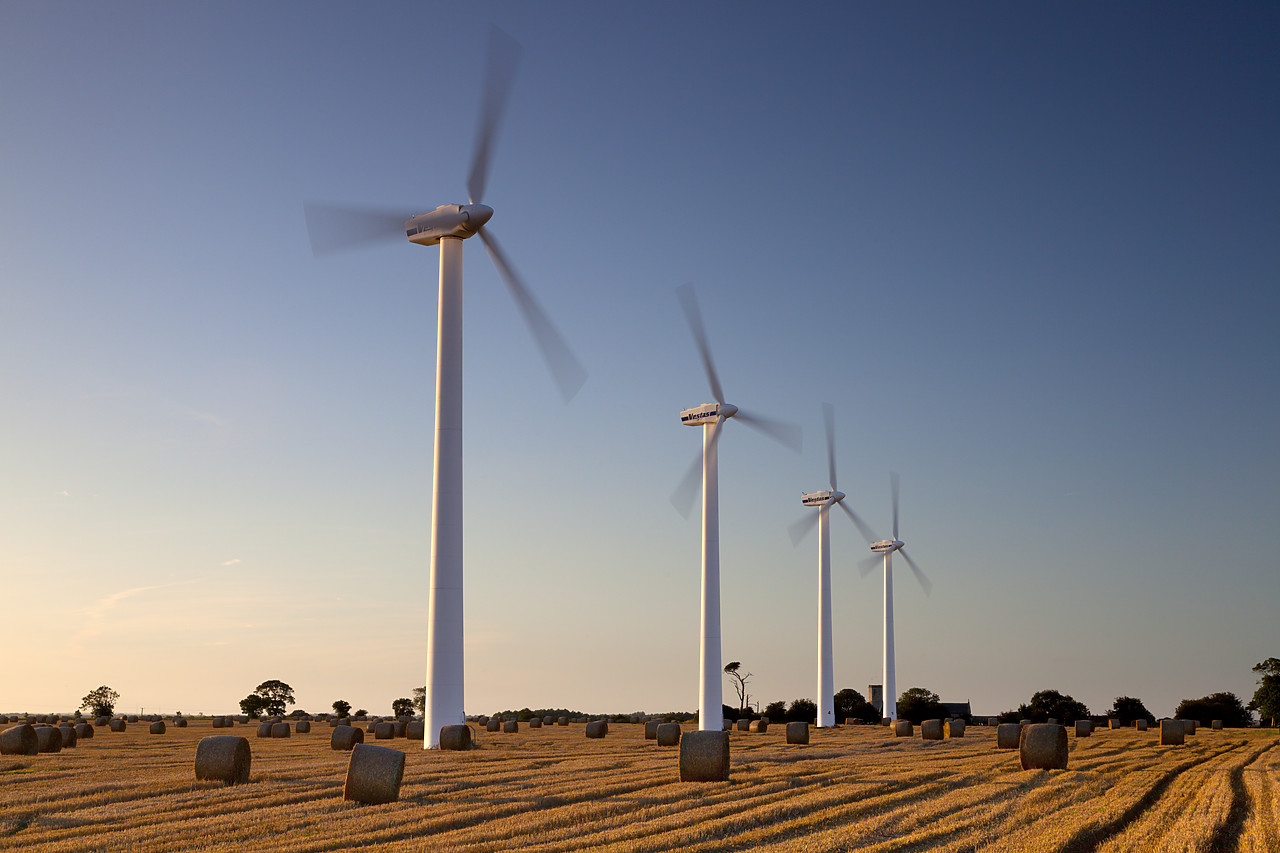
(711, 417)
(887, 547)
(333, 228)
(824, 500)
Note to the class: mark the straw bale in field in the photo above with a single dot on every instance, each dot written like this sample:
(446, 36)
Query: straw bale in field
(551, 721)
(101, 722)
(1140, 725)
(4, 719)
(597, 728)
(69, 736)
(1043, 747)
(651, 729)
(955, 728)
(1172, 733)
(84, 731)
(704, 757)
(494, 725)
(180, 722)
(535, 723)
(334, 722)
(303, 727)
(902, 728)
(455, 737)
(264, 729)
(1007, 735)
(133, 718)
(417, 730)
(223, 758)
(384, 731)
(344, 737)
(280, 730)
(850, 721)
(1113, 723)
(1190, 726)
(993, 721)
(50, 739)
(157, 728)
(798, 732)
(117, 725)
(19, 740)
(510, 727)
(668, 734)
(374, 775)
(744, 725)
(219, 722)
(759, 726)
(1216, 725)
(931, 730)
(399, 726)
(1084, 728)
(563, 721)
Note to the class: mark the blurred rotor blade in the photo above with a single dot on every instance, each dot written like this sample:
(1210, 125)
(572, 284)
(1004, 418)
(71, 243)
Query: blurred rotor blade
(801, 526)
(504, 54)
(867, 564)
(915, 570)
(334, 228)
(689, 300)
(893, 484)
(786, 434)
(567, 371)
(682, 497)
(829, 418)
(867, 532)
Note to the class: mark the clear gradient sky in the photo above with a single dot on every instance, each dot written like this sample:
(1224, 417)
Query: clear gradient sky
(1029, 252)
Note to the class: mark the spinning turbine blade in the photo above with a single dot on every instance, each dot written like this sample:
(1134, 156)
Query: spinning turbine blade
(504, 54)
(786, 434)
(334, 228)
(682, 497)
(915, 570)
(801, 526)
(567, 371)
(868, 564)
(829, 418)
(866, 531)
(893, 484)
(689, 301)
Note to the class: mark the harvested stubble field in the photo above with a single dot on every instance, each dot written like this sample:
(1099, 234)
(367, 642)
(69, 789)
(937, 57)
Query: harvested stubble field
(552, 789)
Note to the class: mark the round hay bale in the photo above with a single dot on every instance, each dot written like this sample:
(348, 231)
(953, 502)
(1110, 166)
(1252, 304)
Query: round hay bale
(535, 723)
(264, 729)
(759, 726)
(955, 728)
(281, 730)
(180, 722)
(993, 721)
(133, 718)
(69, 737)
(84, 731)
(850, 721)
(1172, 733)
(1007, 735)
(551, 721)
(49, 738)
(1140, 725)
(219, 722)
(931, 730)
(157, 728)
(704, 757)
(1084, 728)
(400, 727)
(303, 727)
(344, 737)
(374, 774)
(334, 722)
(597, 728)
(902, 728)
(563, 721)
(384, 731)
(4, 719)
(494, 725)
(1216, 725)
(1113, 723)
(417, 730)
(1043, 746)
(798, 732)
(886, 722)
(744, 725)
(455, 737)
(651, 729)
(510, 727)
(668, 734)
(117, 725)
(1190, 726)
(1024, 722)
(102, 722)
(19, 740)
(223, 758)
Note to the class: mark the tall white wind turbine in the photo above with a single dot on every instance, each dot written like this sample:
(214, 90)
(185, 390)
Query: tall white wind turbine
(339, 228)
(887, 547)
(711, 417)
(824, 500)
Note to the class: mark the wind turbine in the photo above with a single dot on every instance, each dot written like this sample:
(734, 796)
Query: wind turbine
(824, 500)
(339, 228)
(711, 417)
(887, 547)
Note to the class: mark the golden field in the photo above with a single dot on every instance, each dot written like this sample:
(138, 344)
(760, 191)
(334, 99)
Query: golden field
(552, 789)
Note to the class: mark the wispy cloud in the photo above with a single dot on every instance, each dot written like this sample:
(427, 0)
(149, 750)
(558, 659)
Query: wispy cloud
(232, 562)
(95, 614)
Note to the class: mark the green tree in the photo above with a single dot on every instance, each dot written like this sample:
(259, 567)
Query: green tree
(420, 699)
(775, 711)
(272, 698)
(803, 711)
(851, 703)
(402, 707)
(101, 701)
(734, 670)
(342, 708)
(1266, 699)
(1219, 706)
(1126, 709)
(1048, 704)
(253, 705)
(918, 704)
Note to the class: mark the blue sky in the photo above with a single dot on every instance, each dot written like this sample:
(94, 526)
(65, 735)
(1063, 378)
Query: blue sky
(1028, 253)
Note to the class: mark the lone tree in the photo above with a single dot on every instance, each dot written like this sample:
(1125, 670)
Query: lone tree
(1050, 704)
(851, 703)
(734, 670)
(803, 711)
(775, 711)
(1219, 706)
(1266, 699)
(1126, 709)
(918, 704)
(342, 708)
(402, 707)
(253, 705)
(269, 697)
(101, 701)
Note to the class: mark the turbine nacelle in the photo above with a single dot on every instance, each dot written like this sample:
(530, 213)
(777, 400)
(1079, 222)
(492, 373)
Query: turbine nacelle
(822, 498)
(707, 413)
(447, 220)
(885, 546)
